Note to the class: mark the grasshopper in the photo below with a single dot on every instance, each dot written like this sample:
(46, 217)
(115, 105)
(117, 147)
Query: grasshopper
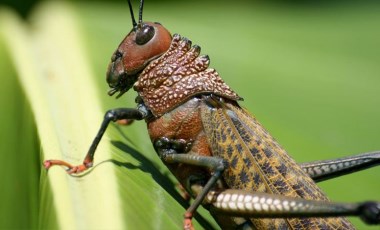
(222, 156)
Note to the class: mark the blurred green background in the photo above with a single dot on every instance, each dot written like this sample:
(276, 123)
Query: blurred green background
(309, 71)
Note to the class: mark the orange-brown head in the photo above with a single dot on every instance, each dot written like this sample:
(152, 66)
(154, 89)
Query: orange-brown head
(144, 43)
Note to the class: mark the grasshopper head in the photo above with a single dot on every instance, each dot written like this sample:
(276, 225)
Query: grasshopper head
(144, 43)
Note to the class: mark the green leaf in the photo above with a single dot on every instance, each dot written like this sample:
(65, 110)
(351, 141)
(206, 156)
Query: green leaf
(19, 151)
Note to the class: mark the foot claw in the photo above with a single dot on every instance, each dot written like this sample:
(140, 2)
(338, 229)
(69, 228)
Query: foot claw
(70, 169)
(47, 164)
(187, 223)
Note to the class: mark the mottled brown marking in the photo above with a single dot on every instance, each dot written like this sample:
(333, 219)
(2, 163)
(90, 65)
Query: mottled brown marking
(178, 75)
(264, 171)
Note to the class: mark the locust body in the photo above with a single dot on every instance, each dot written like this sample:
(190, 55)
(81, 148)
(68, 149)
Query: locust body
(219, 152)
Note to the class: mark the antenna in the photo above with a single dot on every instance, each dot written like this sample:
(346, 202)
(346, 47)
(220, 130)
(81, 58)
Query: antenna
(132, 15)
(141, 11)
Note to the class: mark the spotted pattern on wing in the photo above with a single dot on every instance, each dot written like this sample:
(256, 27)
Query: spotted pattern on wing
(259, 163)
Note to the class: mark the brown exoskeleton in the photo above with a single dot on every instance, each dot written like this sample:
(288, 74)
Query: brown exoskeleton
(218, 151)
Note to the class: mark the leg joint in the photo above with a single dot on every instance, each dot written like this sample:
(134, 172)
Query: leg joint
(124, 113)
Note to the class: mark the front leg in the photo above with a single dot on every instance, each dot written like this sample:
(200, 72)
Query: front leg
(328, 169)
(111, 115)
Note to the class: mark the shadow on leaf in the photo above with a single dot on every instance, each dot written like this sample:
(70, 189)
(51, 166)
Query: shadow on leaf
(161, 178)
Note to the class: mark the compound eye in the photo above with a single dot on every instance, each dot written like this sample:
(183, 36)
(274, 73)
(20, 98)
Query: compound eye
(145, 34)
